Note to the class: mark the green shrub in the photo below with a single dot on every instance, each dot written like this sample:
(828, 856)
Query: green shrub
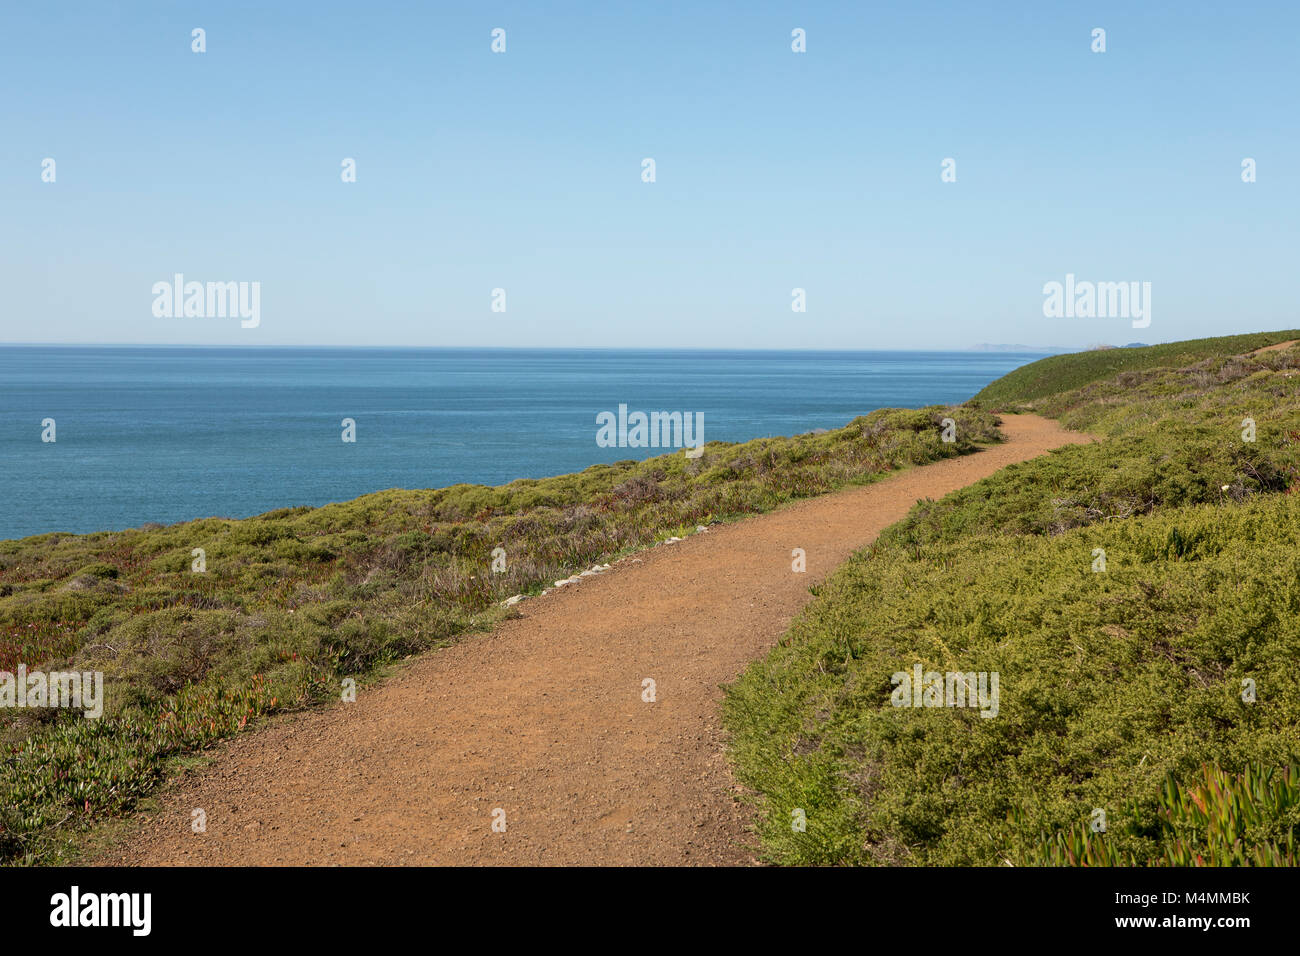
(1110, 681)
(1246, 819)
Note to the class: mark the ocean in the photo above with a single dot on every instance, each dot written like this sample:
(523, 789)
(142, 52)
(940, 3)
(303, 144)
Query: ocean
(168, 434)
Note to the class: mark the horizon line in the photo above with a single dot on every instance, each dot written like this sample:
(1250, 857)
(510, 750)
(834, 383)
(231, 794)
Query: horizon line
(979, 347)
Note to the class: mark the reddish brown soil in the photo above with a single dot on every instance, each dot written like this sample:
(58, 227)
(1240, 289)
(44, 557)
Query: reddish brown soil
(1275, 348)
(544, 717)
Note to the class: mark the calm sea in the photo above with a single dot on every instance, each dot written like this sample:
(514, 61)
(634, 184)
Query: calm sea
(169, 434)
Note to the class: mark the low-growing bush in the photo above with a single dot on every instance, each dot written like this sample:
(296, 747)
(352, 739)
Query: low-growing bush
(1126, 592)
(1245, 819)
(1108, 682)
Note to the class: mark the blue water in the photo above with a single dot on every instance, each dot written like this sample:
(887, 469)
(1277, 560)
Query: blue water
(169, 434)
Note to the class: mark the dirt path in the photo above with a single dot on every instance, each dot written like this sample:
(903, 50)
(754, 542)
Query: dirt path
(1278, 347)
(544, 717)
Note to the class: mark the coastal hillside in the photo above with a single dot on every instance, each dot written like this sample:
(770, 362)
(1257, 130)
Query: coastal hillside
(1138, 599)
(205, 628)
(1135, 598)
(1058, 374)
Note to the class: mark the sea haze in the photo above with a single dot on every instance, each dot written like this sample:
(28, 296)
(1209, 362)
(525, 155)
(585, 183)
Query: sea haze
(168, 434)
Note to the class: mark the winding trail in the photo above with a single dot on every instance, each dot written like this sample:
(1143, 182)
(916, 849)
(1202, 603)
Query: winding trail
(543, 717)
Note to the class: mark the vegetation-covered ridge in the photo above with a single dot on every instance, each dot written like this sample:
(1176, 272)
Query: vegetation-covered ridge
(1057, 374)
(291, 602)
(1139, 600)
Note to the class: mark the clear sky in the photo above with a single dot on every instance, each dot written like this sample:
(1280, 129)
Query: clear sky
(522, 170)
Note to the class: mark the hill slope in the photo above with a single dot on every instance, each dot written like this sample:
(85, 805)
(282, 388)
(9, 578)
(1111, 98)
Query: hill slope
(1137, 598)
(1061, 373)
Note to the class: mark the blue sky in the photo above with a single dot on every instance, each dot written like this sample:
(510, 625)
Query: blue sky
(522, 171)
